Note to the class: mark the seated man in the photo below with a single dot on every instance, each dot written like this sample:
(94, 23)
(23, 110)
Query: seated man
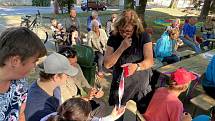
(166, 46)
(91, 18)
(189, 35)
(54, 72)
(77, 86)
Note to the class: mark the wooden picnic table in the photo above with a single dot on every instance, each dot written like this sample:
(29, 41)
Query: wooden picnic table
(212, 42)
(197, 64)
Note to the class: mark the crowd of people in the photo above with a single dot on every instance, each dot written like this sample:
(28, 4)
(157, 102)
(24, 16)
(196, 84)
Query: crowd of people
(62, 93)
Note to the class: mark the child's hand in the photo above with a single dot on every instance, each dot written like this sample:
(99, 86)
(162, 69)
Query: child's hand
(117, 112)
(90, 94)
(186, 117)
(99, 94)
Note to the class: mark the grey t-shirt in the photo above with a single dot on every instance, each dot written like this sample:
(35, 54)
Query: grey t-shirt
(39, 103)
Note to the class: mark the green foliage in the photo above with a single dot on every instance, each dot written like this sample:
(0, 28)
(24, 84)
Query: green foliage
(41, 2)
(64, 3)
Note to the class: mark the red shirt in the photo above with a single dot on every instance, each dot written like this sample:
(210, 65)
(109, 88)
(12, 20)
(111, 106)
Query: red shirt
(164, 106)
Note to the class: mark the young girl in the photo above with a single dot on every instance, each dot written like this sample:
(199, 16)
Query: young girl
(77, 109)
(166, 46)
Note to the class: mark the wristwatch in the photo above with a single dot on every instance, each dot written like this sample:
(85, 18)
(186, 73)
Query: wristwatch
(138, 67)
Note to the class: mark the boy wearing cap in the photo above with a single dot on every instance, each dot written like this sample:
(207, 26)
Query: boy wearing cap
(20, 49)
(77, 85)
(165, 105)
(54, 72)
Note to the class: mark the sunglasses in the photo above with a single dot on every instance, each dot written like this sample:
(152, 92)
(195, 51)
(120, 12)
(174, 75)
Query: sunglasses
(69, 54)
(173, 34)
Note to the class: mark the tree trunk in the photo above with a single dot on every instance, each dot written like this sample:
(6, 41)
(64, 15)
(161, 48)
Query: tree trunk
(56, 7)
(205, 9)
(128, 4)
(141, 10)
(173, 4)
(69, 5)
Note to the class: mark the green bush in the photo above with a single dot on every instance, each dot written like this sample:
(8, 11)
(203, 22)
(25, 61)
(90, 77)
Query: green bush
(41, 2)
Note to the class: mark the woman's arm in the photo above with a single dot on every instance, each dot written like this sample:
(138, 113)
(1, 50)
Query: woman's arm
(143, 65)
(148, 57)
(112, 56)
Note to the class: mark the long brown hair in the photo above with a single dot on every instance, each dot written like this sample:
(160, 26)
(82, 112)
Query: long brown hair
(129, 16)
(73, 109)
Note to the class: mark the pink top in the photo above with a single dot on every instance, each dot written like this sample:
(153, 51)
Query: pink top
(164, 106)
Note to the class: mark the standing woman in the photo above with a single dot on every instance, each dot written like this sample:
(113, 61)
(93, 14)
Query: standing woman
(130, 46)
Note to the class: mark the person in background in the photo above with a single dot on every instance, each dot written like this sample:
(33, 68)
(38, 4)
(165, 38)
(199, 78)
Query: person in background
(174, 25)
(165, 48)
(189, 35)
(129, 46)
(97, 39)
(54, 72)
(94, 16)
(73, 20)
(208, 28)
(57, 29)
(109, 24)
(77, 109)
(20, 49)
(208, 82)
(78, 86)
(74, 38)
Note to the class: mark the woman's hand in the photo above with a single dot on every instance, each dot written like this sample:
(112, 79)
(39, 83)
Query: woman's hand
(132, 67)
(126, 43)
(117, 112)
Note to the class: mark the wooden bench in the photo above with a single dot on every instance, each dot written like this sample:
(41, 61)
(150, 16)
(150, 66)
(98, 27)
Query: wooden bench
(212, 42)
(202, 101)
(157, 64)
(132, 106)
(185, 53)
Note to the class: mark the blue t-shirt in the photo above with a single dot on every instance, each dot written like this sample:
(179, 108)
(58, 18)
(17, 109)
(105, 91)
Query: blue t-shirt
(89, 23)
(11, 101)
(189, 30)
(39, 103)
